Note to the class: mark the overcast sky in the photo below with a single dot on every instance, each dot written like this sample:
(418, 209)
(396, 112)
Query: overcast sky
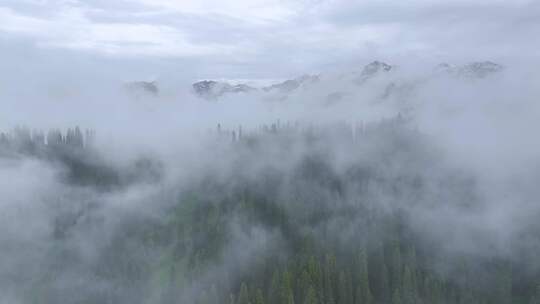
(261, 38)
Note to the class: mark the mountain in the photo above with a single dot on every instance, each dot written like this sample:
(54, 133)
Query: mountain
(478, 69)
(374, 68)
(292, 84)
(140, 89)
(210, 89)
(379, 76)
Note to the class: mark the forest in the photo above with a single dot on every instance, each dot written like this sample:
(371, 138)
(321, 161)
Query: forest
(269, 152)
(281, 214)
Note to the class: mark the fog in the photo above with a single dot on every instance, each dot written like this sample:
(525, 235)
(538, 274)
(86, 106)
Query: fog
(469, 142)
(167, 195)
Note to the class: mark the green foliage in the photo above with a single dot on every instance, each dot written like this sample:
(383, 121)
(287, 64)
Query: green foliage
(259, 298)
(363, 289)
(274, 288)
(409, 291)
(345, 293)
(318, 228)
(243, 297)
(286, 295)
(396, 297)
(311, 296)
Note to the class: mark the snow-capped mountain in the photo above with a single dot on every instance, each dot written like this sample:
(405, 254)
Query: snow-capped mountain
(379, 80)
(211, 89)
(292, 84)
(373, 69)
(480, 69)
(142, 88)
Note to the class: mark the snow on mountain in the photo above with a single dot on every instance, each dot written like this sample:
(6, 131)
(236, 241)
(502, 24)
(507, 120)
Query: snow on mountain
(478, 70)
(373, 69)
(139, 89)
(292, 84)
(211, 89)
(375, 81)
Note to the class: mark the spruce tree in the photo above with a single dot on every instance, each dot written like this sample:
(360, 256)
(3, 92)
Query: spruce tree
(396, 267)
(504, 284)
(273, 290)
(396, 297)
(243, 296)
(311, 296)
(432, 293)
(384, 284)
(259, 299)
(344, 290)
(314, 269)
(213, 296)
(535, 299)
(286, 295)
(330, 279)
(203, 298)
(363, 290)
(304, 282)
(408, 291)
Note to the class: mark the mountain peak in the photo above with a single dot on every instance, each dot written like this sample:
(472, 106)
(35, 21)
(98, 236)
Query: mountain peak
(480, 69)
(142, 88)
(212, 89)
(477, 69)
(373, 69)
(376, 67)
(292, 84)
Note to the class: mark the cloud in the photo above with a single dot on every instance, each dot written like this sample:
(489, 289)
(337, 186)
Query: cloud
(255, 11)
(70, 28)
(275, 38)
(445, 28)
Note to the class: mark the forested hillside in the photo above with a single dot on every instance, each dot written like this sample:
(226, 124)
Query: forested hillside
(329, 214)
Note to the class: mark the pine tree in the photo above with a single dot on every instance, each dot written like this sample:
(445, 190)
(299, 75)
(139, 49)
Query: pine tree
(314, 269)
(286, 295)
(413, 268)
(259, 299)
(384, 284)
(396, 267)
(363, 290)
(273, 291)
(344, 289)
(396, 297)
(78, 137)
(329, 279)
(408, 292)
(504, 284)
(243, 296)
(304, 282)
(437, 291)
(535, 299)
(311, 297)
(213, 296)
(432, 290)
(203, 298)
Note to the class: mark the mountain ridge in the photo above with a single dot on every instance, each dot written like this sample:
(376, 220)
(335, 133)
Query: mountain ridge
(212, 89)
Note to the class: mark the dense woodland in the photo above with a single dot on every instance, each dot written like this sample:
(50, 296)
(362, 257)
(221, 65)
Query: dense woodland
(304, 215)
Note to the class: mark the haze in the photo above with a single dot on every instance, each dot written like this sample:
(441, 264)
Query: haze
(269, 152)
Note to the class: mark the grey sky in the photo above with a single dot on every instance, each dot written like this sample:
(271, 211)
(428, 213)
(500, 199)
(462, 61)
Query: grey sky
(266, 38)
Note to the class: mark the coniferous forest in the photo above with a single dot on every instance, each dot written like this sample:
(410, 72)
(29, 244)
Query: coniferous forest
(279, 214)
(269, 152)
